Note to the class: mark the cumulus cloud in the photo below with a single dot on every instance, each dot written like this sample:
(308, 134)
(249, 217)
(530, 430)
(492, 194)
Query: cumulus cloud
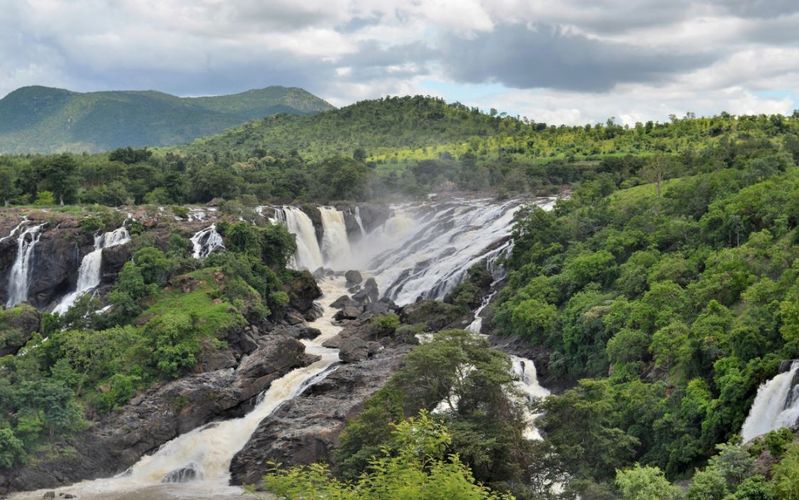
(570, 61)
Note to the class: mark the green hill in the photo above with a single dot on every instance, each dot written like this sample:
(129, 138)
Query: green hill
(378, 126)
(44, 120)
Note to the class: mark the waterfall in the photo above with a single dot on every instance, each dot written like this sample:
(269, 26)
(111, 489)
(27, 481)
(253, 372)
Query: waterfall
(206, 241)
(308, 255)
(14, 232)
(776, 405)
(200, 459)
(89, 273)
(477, 323)
(358, 219)
(19, 277)
(527, 384)
(335, 244)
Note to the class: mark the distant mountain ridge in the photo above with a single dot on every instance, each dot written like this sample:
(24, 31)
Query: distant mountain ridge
(44, 120)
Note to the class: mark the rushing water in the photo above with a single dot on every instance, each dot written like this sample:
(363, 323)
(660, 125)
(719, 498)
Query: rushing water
(422, 251)
(19, 277)
(89, 274)
(308, 255)
(776, 405)
(335, 241)
(206, 241)
(207, 451)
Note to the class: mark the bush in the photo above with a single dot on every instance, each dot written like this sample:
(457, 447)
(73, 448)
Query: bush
(645, 483)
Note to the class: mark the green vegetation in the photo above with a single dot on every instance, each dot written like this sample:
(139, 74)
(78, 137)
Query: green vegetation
(168, 313)
(43, 120)
(411, 466)
(667, 306)
(407, 146)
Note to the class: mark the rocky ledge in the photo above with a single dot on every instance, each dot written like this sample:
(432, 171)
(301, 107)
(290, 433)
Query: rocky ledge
(117, 441)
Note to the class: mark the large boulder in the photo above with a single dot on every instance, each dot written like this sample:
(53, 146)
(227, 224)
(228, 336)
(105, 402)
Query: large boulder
(17, 326)
(434, 315)
(353, 278)
(302, 291)
(348, 312)
(368, 293)
(306, 429)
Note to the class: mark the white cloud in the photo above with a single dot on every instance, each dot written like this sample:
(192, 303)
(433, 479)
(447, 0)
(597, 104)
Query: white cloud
(632, 60)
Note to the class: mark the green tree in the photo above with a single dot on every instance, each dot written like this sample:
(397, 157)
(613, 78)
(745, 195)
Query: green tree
(645, 483)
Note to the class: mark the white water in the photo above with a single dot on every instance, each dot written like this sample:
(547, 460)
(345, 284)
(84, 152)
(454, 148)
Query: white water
(434, 253)
(308, 255)
(527, 384)
(89, 274)
(358, 219)
(14, 232)
(776, 405)
(208, 450)
(206, 241)
(19, 277)
(335, 243)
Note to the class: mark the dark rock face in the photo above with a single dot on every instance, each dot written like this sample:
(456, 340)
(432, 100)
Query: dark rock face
(306, 429)
(8, 253)
(17, 326)
(368, 293)
(373, 215)
(159, 415)
(56, 259)
(113, 260)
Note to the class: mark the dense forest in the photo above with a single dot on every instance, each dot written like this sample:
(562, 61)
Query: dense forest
(661, 292)
(405, 146)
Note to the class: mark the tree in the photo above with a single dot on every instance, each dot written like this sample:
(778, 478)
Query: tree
(645, 483)
(58, 175)
(412, 466)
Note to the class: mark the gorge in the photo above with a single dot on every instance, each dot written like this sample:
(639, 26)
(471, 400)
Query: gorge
(406, 253)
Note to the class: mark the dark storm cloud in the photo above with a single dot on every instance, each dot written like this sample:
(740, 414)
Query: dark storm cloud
(522, 57)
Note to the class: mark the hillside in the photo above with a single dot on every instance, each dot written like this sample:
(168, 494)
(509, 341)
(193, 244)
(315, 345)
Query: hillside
(380, 125)
(45, 120)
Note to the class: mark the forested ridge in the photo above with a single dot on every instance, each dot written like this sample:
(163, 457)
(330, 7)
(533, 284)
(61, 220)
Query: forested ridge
(398, 146)
(658, 294)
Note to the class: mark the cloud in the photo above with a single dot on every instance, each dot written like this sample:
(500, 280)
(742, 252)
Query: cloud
(566, 61)
(546, 56)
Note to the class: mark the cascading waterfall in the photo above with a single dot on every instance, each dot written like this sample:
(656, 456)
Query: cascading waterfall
(335, 243)
(776, 405)
(434, 255)
(200, 459)
(358, 220)
(308, 255)
(19, 277)
(14, 232)
(527, 384)
(422, 250)
(206, 241)
(89, 273)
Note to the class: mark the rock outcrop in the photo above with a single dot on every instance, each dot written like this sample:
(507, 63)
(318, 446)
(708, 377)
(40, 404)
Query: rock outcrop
(17, 326)
(306, 429)
(159, 415)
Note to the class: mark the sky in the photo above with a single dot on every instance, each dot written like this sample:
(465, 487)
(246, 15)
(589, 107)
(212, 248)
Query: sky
(564, 61)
